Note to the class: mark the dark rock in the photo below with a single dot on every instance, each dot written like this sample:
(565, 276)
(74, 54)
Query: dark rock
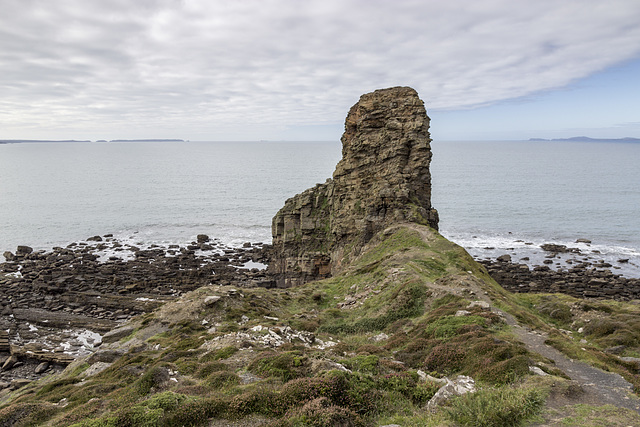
(9, 256)
(202, 238)
(23, 250)
(41, 368)
(19, 383)
(554, 248)
(504, 258)
(117, 334)
(9, 363)
(587, 241)
(618, 349)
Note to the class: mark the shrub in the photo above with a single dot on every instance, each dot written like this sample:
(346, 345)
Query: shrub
(449, 326)
(366, 364)
(208, 368)
(221, 379)
(284, 366)
(222, 353)
(556, 310)
(26, 414)
(153, 378)
(502, 407)
(321, 413)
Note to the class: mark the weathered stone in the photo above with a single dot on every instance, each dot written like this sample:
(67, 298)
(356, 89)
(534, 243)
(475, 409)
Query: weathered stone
(18, 383)
(117, 334)
(457, 387)
(23, 250)
(41, 368)
(9, 363)
(382, 178)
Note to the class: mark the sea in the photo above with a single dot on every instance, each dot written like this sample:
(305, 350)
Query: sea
(493, 197)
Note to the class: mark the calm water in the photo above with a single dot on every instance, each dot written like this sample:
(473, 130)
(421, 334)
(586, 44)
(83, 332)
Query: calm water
(500, 195)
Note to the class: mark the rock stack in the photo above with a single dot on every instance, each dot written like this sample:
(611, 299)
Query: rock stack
(382, 178)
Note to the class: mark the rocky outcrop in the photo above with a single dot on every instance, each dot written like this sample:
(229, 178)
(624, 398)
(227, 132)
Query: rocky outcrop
(382, 178)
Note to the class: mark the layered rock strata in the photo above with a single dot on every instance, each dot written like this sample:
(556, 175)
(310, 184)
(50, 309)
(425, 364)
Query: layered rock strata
(382, 178)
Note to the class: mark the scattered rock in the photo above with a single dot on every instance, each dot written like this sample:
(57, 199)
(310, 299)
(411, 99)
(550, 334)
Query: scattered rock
(41, 368)
(9, 363)
(23, 250)
(211, 300)
(19, 383)
(537, 371)
(116, 334)
(380, 337)
(459, 386)
(504, 258)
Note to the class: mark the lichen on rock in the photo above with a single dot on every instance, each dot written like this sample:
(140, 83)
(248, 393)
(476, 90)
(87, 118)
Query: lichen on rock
(383, 178)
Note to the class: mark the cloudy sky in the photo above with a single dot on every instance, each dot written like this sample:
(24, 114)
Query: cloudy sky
(290, 69)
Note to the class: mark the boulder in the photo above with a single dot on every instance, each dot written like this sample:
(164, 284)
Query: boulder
(9, 363)
(41, 368)
(23, 250)
(457, 387)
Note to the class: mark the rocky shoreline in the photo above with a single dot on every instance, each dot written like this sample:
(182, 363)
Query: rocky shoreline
(55, 305)
(564, 270)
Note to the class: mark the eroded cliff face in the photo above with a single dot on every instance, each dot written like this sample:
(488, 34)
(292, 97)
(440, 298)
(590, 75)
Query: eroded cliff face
(382, 178)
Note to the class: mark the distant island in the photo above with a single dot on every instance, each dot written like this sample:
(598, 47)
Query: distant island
(145, 140)
(587, 139)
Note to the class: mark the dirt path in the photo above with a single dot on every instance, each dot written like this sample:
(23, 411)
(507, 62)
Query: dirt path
(600, 386)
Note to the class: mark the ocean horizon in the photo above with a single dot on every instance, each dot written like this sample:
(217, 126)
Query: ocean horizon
(493, 197)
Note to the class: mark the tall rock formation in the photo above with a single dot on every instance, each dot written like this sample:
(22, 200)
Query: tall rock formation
(382, 178)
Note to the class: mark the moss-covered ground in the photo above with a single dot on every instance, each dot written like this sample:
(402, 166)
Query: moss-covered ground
(358, 349)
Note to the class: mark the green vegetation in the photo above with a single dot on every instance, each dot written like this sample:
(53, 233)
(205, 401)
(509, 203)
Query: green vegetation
(351, 350)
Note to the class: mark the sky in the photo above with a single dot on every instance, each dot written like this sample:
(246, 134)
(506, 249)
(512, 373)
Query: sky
(291, 69)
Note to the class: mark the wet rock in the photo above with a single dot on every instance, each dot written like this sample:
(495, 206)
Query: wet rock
(556, 249)
(504, 258)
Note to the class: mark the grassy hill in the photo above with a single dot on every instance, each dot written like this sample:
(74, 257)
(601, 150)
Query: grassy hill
(363, 348)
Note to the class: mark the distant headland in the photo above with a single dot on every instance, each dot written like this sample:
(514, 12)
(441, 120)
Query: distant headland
(587, 139)
(144, 140)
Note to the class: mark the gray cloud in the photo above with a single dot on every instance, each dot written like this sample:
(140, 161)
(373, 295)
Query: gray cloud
(242, 69)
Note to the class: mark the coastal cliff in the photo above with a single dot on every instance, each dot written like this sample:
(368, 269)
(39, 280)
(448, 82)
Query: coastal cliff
(382, 179)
